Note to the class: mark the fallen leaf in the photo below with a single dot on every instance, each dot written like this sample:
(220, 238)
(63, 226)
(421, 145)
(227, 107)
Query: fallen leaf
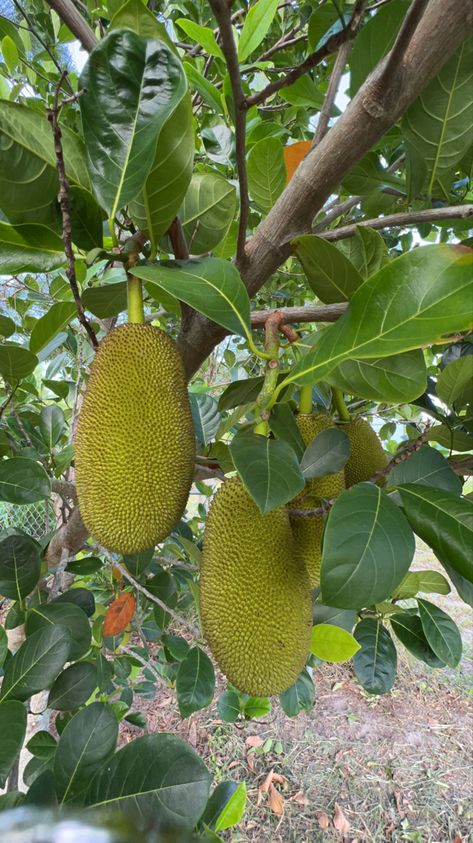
(164, 703)
(193, 734)
(276, 801)
(279, 779)
(299, 797)
(119, 614)
(264, 788)
(340, 821)
(293, 156)
(250, 760)
(323, 820)
(233, 764)
(254, 741)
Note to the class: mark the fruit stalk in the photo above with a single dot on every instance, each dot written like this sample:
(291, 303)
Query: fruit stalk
(271, 346)
(305, 399)
(136, 312)
(340, 404)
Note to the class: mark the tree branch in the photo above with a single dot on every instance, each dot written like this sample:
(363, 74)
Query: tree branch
(430, 215)
(290, 315)
(404, 36)
(337, 73)
(75, 22)
(221, 10)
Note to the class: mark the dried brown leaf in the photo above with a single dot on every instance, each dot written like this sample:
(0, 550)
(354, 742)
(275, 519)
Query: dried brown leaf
(323, 820)
(340, 821)
(253, 741)
(276, 801)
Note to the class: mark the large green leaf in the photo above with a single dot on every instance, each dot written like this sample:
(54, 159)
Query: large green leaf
(13, 731)
(67, 615)
(257, 22)
(374, 40)
(426, 467)
(332, 643)
(86, 743)
(366, 250)
(438, 124)
(20, 566)
(444, 521)
(207, 211)
(52, 424)
(158, 776)
(73, 687)
(299, 697)
(16, 362)
(121, 131)
(462, 585)
(375, 664)
(441, 633)
(397, 379)
(326, 454)
(205, 416)
(266, 172)
(195, 682)
(451, 438)
(52, 323)
(29, 248)
(210, 285)
(413, 301)
(455, 382)
(368, 547)
(136, 16)
(23, 480)
(36, 664)
(408, 628)
(107, 300)
(269, 469)
(331, 275)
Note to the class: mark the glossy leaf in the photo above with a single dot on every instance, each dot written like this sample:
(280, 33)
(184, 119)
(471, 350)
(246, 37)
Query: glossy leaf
(257, 22)
(326, 454)
(408, 628)
(107, 300)
(332, 643)
(367, 250)
(455, 382)
(86, 743)
(37, 663)
(222, 797)
(462, 585)
(375, 664)
(23, 480)
(441, 633)
(268, 468)
(52, 323)
(73, 687)
(195, 682)
(119, 614)
(207, 211)
(158, 775)
(455, 440)
(202, 34)
(266, 172)
(374, 40)
(433, 582)
(137, 17)
(29, 248)
(228, 706)
(426, 467)
(331, 275)
(368, 548)
(137, 563)
(66, 615)
(234, 810)
(121, 131)
(205, 416)
(397, 379)
(16, 362)
(20, 566)
(51, 424)
(13, 731)
(299, 697)
(346, 618)
(283, 423)
(210, 285)
(411, 302)
(444, 521)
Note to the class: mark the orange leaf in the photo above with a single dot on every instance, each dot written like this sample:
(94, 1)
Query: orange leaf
(323, 820)
(119, 614)
(254, 741)
(276, 801)
(293, 156)
(339, 820)
(117, 574)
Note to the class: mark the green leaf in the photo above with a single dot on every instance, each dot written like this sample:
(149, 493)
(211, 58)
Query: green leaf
(331, 275)
(321, 20)
(234, 810)
(299, 697)
(239, 393)
(86, 219)
(195, 682)
(158, 775)
(203, 35)
(303, 93)
(20, 566)
(228, 706)
(13, 731)
(66, 615)
(42, 745)
(216, 806)
(433, 582)
(16, 362)
(282, 422)
(10, 53)
(52, 323)
(7, 326)
(408, 628)
(84, 567)
(107, 300)
(367, 250)
(397, 379)
(136, 16)
(257, 23)
(36, 664)
(86, 743)
(438, 124)
(73, 687)
(441, 633)
(268, 468)
(411, 302)
(205, 416)
(121, 131)
(209, 93)
(207, 211)
(444, 521)
(408, 587)
(426, 467)
(326, 454)
(81, 597)
(51, 425)
(368, 548)
(370, 175)
(332, 643)
(455, 382)
(137, 563)
(375, 664)
(29, 248)
(346, 618)
(3, 645)
(23, 480)
(454, 440)
(210, 285)
(463, 587)
(257, 707)
(374, 40)
(266, 172)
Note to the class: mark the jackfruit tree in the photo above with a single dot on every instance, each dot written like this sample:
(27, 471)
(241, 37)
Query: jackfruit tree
(237, 374)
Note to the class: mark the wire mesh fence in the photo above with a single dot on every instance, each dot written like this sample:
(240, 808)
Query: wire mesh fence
(36, 519)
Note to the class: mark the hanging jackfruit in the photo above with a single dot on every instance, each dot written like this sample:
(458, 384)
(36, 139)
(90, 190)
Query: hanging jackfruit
(255, 598)
(367, 455)
(134, 443)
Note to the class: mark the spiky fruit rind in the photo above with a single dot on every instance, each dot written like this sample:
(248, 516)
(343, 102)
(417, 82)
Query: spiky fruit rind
(367, 455)
(255, 598)
(318, 487)
(308, 533)
(134, 443)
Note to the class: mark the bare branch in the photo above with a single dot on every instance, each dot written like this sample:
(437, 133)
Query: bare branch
(64, 489)
(293, 315)
(404, 36)
(75, 22)
(430, 215)
(337, 73)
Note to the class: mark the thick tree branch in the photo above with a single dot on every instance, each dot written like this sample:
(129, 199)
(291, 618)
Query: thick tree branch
(293, 315)
(431, 215)
(404, 36)
(75, 22)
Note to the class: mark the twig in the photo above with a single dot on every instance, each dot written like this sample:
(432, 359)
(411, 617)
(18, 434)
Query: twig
(10, 398)
(289, 315)
(147, 664)
(337, 73)
(178, 240)
(66, 211)
(430, 215)
(221, 10)
(404, 37)
(64, 489)
(75, 22)
(330, 46)
(43, 43)
(76, 402)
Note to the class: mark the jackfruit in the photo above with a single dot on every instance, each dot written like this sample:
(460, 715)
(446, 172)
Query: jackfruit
(255, 597)
(367, 455)
(134, 443)
(307, 530)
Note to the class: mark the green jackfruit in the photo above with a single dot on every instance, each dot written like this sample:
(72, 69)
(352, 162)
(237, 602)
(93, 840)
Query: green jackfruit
(367, 455)
(255, 598)
(134, 443)
(308, 531)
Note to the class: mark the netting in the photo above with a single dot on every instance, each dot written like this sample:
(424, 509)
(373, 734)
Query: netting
(36, 519)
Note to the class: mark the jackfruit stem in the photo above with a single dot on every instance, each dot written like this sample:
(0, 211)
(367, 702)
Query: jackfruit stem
(305, 399)
(136, 312)
(271, 347)
(340, 404)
